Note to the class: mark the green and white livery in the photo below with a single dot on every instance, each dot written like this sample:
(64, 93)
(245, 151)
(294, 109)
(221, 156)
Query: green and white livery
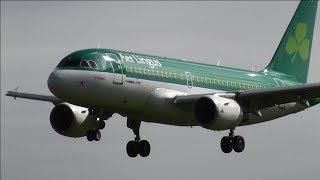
(92, 84)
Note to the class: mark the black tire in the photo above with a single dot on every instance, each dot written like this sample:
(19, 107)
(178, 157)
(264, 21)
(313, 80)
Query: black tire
(90, 135)
(102, 124)
(238, 144)
(96, 135)
(226, 144)
(144, 148)
(132, 149)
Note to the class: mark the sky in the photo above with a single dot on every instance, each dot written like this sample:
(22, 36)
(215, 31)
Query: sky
(35, 36)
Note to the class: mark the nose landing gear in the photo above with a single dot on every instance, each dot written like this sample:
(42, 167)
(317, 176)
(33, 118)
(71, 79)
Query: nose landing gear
(100, 116)
(93, 135)
(230, 142)
(101, 124)
(137, 146)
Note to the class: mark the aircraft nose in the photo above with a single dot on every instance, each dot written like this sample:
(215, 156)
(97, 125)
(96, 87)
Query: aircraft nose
(57, 82)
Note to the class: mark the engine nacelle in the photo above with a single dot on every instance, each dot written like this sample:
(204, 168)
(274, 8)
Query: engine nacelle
(218, 113)
(72, 121)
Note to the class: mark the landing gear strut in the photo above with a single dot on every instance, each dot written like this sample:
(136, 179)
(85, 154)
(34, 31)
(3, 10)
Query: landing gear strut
(100, 116)
(230, 142)
(137, 146)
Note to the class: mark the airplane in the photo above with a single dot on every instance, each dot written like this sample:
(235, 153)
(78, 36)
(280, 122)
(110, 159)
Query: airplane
(90, 85)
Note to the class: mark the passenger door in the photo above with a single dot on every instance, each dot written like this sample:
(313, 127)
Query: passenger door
(116, 66)
(189, 79)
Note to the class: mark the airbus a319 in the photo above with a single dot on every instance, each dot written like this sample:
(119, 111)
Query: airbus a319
(90, 85)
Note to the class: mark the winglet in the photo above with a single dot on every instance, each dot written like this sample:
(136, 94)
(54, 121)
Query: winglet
(14, 90)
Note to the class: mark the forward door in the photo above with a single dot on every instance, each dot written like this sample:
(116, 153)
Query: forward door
(189, 79)
(116, 66)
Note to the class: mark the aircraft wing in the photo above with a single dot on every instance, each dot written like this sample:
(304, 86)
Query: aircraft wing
(256, 99)
(263, 98)
(38, 97)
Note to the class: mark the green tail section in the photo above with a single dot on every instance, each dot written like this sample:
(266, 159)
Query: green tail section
(292, 56)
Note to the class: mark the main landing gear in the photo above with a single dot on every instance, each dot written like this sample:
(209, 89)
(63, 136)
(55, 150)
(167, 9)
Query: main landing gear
(137, 146)
(230, 142)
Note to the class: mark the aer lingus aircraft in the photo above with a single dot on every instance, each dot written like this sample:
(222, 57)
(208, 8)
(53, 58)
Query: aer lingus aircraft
(92, 84)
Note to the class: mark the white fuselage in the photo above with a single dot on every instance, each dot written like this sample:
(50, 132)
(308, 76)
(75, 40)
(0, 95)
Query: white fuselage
(141, 99)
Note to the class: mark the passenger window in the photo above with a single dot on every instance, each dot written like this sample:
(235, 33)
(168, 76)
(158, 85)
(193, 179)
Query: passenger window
(84, 63)
(93, 64)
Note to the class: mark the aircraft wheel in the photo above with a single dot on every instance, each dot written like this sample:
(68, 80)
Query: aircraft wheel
(238, 144)
(144, 148)
(96, 135)
(102, 124)
(132, 148)
(90, 135)
(226, 144)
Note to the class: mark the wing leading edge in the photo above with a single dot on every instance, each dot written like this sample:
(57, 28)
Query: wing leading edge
(263, 98)
(38, 97)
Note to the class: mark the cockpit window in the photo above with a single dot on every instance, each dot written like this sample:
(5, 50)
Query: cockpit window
(93, 64)
(68, 62)
(83, 60)
(84, 63)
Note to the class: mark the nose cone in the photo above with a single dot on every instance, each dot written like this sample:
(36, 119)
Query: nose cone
(57, 82)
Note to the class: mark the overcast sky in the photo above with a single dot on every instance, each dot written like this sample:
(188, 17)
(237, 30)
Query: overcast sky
(35, 36)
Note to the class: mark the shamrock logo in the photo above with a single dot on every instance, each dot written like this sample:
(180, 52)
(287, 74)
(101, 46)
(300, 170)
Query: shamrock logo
(299, 44)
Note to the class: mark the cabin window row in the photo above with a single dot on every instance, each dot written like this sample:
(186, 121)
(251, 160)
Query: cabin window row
(156, 73)
(195, 79)
(226, 83)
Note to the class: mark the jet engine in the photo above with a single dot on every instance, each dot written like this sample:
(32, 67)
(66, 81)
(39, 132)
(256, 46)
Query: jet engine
(72, 121)
(218, 113)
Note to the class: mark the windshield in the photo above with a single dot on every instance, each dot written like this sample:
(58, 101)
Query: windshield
(87, 61)
(69, 62)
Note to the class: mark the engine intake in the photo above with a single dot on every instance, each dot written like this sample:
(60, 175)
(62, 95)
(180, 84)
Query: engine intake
(205, 111)
(72, 121)
(61, 118)
(218, 113)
